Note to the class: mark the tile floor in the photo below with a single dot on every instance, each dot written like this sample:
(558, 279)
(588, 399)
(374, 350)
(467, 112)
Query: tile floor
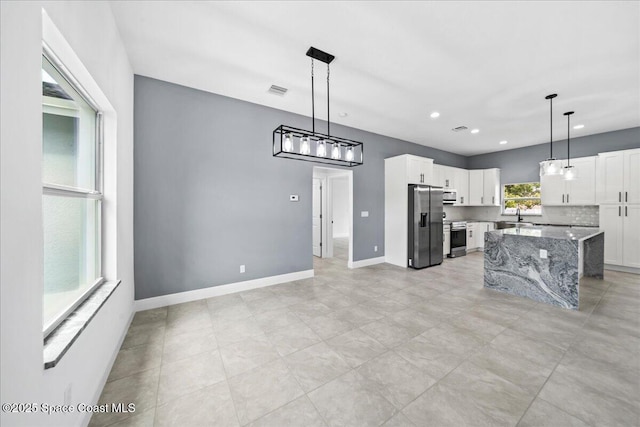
(387, 346)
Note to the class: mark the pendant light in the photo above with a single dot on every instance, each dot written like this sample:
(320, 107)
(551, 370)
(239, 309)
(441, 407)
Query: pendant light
(551, 166)
(335, 152)
(313, 146)
(305, 147)
(570, 172)
(287, 144)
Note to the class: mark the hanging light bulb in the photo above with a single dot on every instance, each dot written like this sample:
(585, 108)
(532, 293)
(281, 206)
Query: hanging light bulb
(305, 148)
(570, 172)
(551, 166)
(336, 153)
(287, 144)
(321, 150)
(349, 154)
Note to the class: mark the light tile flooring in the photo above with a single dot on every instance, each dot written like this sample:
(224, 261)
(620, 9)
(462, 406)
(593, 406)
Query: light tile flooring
(384, 346)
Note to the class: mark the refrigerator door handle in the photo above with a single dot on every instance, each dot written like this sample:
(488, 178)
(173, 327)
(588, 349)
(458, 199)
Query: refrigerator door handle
(423, 219)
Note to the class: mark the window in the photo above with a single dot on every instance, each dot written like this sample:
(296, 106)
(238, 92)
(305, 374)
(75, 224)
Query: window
(72, 197)
(525, 196)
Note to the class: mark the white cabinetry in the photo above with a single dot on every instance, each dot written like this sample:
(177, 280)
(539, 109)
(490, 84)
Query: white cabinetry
(446, 246)
(631, 239)
(476, 187)
(556, 191)
(419, 169)
(475, 234)
(491, 185)
(472, 232)
(619, 197)
(621, 226)
(484, 187)
(461, 181)
(481, 229)
(399, 172)
(619, 177)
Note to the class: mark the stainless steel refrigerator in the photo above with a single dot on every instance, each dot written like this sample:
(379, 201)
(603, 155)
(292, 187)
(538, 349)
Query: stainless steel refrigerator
(425, 226)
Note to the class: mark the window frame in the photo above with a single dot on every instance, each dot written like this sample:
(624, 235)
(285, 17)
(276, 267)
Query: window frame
(50, 189)
(505, 199)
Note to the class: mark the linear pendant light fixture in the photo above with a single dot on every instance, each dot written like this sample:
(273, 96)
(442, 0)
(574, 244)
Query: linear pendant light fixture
(312, 146)
(570, 172)
(551, 166)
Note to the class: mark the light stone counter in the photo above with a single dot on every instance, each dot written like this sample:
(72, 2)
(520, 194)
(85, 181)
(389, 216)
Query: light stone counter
(514, 262)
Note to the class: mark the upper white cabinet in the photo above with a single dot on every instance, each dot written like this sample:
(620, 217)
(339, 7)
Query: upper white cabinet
(491, 186)
(618, 177)
(476, 187)
(450, 178)
(484, 187)
(438, 175)
(556, 191)
(461, 181)
(419, 170)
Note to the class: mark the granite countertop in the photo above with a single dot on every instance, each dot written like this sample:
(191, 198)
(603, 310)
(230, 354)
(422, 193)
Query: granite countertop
(552, 232)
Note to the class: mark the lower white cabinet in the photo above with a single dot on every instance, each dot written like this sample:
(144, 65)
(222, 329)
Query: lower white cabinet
(475, 234)
(471, 235)
(446, 245)
(621, 226)
(481, 229)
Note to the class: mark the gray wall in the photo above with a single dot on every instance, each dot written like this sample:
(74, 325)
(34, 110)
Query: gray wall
(522, 164)
(210, 196)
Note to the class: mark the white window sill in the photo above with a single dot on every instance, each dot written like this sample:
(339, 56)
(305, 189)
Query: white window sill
(64, 335)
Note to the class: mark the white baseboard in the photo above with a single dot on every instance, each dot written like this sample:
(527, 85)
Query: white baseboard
(622, 268)
(215, 291)
(365, 262)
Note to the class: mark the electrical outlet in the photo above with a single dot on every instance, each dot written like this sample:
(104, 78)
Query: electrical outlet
(375, 249)
(364, 214)
(242, 268)
(294, 198)
(543, 253)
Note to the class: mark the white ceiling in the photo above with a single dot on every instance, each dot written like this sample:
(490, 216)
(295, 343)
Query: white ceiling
(485, 65)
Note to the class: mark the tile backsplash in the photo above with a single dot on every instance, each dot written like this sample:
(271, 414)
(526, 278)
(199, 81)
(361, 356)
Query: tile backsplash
(561, 215)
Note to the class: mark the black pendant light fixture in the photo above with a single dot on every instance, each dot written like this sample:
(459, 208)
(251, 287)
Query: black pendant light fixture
(312, 146)
(570, 172)
(551, 166)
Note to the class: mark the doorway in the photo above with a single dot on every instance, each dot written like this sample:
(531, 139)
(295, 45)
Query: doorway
(332, 214)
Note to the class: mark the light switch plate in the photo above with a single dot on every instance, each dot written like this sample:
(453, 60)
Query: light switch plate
(294, 198)
(543, 253)
(364, 214)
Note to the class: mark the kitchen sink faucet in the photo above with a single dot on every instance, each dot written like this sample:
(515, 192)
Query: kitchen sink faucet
(518, 214)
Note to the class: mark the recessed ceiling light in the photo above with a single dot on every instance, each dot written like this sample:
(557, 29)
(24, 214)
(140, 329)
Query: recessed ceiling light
(578, 126)
(503, 142)
(475, 130)
(343, 114)
(435, 115)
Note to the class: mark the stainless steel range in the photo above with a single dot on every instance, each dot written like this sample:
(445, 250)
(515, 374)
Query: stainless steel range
(458, 239)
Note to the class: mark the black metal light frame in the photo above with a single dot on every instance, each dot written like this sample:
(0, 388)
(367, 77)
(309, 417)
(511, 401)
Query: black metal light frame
(314, 138)
(357, 148)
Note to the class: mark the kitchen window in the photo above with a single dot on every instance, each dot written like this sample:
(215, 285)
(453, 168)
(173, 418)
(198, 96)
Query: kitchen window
(525, 196)
(71, 193)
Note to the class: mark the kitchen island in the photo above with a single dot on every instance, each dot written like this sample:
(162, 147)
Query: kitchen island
(543, 263)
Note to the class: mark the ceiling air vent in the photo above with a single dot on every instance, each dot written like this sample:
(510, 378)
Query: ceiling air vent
(278, 90)
(459, 128)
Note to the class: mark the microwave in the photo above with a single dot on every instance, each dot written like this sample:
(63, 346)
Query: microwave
(449, 196)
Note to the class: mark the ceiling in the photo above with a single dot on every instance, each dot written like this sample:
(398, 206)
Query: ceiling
(484, 65)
